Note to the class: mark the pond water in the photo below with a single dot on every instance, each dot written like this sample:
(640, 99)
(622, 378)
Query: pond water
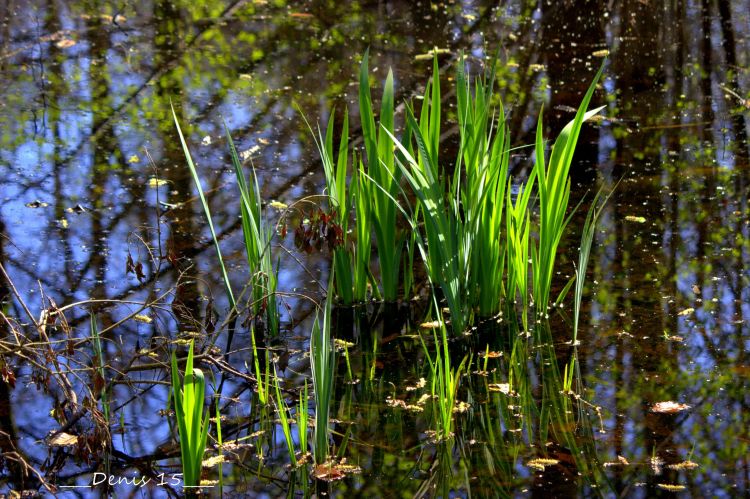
(93, 175)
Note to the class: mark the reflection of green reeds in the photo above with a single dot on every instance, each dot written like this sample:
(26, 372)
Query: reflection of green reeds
(192, 424)
(323, 372)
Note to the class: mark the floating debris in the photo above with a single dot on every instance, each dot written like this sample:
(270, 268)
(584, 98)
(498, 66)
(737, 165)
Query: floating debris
(600, 53)
(37, 204)
(332, 471)
(62, 440)
(461, 407)
(669, 407)
(684, 465)
(541, 463)
(491, 354)
(429, 55)
(502, 388)
(671, 487)
(143, 318)
(134, 159)
(213, 461)
(420, 384)
(633, 218)
(430, 325)
(278, 205)
(65, 43)
(685, 312)
(621, 461)
(206, 141)
(154, 182)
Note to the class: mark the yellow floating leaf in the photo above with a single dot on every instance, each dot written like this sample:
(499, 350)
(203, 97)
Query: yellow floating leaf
(687, 311)
(278, 205)
(633, 218)
(143, 318)
(154, 182)
(600, 53)
(63, 439)
(63, 223)
(461, 407)
(213, 461)
(671, 487)
(134, 159)
(684, 465)
(541, 463)
(430, 325)
(429, 55)
(669, 407)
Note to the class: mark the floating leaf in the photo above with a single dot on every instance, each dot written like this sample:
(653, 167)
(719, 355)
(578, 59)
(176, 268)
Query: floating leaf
(430, 325)
(206, 141)
(633, 218)
(143, 318)
(63, 223)
(491, 354)
(420, 384)
(213, 461)
(278, 205)
(687, 311)
(621, 461)
(671, 487)
(600, 53)
(37, 204)
(684, 465)
(65, 43)
(461, 407)
(669, 407)
(500, 387)
(541, 463)
(332, 471)
(63, 439)
(134, 159)
(154, 182)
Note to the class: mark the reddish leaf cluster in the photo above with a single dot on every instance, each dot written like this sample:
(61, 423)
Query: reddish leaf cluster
(320, 228)
(135, 268)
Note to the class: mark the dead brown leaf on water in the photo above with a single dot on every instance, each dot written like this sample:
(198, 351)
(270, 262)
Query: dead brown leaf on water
(491, 355)
(401, 404)
(669, 407)
(333, 471)
(502, 388)
(63, 439)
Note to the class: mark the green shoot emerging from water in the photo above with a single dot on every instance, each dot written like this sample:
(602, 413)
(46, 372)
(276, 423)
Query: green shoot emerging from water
(192, 424)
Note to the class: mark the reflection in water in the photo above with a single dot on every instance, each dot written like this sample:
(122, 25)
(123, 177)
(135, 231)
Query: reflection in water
(87, 89)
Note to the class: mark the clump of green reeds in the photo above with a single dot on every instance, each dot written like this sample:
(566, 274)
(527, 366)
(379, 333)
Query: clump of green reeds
(382, 170)
(323, 372)
(257, 237)
(553, 187)
(192, 424)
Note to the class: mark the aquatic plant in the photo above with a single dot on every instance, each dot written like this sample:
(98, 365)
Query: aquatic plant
(323, 373)
(382, 170)
(188, 400)
(553, 186)
(257, 236)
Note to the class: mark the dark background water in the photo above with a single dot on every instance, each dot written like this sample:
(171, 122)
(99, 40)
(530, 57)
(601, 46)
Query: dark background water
(86, 91)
